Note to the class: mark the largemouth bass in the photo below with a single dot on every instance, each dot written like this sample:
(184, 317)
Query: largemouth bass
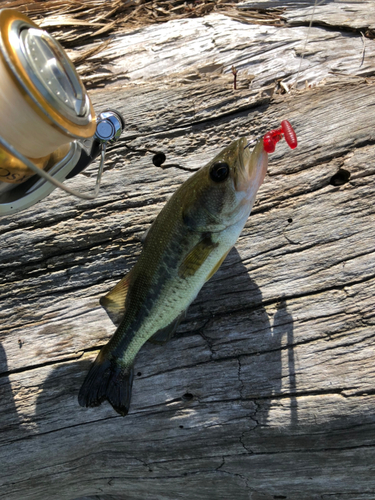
(184, 247)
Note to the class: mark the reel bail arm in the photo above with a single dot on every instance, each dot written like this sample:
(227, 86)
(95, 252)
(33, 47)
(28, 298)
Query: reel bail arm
(82, 153)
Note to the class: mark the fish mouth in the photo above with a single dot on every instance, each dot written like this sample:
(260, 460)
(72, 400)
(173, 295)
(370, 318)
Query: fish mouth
(251, 168)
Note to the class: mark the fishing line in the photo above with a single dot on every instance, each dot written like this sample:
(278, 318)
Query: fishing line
(316, 4)
(287, 129)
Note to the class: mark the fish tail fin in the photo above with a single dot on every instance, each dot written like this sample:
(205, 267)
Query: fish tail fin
(107, 380)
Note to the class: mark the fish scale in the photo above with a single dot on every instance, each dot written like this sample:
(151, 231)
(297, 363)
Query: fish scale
(165, 309)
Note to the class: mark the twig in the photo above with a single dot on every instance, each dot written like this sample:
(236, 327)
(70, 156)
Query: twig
(364, 49)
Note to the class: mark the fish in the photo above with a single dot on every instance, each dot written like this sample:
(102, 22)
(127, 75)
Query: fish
(183, 248)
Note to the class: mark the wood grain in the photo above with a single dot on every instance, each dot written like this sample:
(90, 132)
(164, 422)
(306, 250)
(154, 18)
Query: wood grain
(267, 390)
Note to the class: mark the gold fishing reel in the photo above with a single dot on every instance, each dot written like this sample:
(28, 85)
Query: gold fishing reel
(48, 128)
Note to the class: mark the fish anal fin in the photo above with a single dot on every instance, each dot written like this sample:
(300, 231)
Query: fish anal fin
(216, 267)
(196, 257)
(114, 301)
(165, 334)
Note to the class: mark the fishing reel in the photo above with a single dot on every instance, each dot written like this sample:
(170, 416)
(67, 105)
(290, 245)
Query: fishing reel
(48, 128)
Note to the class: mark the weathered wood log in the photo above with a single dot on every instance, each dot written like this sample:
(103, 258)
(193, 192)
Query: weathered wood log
(267, 390)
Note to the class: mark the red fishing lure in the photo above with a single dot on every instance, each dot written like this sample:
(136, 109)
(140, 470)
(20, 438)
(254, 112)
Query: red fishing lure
(274, 136)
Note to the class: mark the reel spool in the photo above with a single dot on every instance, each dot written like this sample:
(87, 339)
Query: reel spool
(48, 128)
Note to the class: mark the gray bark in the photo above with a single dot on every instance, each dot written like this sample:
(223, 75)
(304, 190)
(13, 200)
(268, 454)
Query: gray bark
(267, 390)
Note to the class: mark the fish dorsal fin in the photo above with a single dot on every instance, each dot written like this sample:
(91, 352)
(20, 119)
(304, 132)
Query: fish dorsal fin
(197, 256)
(114, 301)
(164, 334)
(143, 238)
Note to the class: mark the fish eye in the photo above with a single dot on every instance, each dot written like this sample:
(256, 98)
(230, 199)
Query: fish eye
(219, 171)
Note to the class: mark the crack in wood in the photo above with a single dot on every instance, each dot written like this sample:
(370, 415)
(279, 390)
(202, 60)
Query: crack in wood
(233, 474)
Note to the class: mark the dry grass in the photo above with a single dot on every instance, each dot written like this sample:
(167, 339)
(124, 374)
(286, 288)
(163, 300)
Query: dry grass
(74, 21)
(84, 26)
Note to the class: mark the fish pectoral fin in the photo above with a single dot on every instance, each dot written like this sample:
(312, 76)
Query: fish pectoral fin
(197, 256)
(114, 301)
(165, 334)
(216, 266)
